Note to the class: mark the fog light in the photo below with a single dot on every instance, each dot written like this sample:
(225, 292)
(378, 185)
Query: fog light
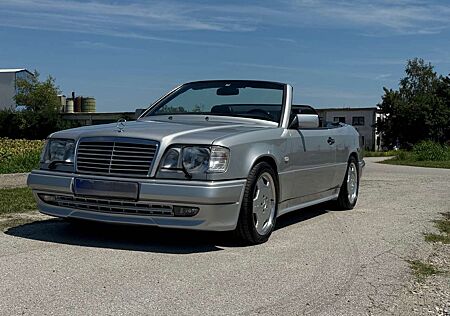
(47, 198)
(185, 211)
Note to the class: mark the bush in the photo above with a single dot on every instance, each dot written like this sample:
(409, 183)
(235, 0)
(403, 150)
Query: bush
(30, 124)
(403, 155)
(431, 151)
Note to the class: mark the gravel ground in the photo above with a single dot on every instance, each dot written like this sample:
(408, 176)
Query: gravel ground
(13, 180)
(317, 262)
(432, 295)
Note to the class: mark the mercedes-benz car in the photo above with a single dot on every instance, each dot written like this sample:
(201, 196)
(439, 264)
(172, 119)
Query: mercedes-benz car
(222, 155)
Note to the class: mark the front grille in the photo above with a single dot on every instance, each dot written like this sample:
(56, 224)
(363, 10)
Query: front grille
(112, 206)
(116, 156)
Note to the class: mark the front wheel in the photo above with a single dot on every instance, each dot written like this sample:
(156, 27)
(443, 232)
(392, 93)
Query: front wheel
(348, 194)
(259, 206)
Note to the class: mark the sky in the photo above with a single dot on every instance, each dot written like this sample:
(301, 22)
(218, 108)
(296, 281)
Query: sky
(129, 53)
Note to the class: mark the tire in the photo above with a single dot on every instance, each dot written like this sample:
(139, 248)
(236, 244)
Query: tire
(259, 206)
(348, 194)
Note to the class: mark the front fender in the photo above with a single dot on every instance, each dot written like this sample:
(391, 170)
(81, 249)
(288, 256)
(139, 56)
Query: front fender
(247, 149)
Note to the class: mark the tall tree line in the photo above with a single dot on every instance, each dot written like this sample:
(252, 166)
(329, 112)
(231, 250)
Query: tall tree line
(419, 109)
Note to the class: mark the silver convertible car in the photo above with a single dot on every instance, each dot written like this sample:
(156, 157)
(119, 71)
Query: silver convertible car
(222, 155)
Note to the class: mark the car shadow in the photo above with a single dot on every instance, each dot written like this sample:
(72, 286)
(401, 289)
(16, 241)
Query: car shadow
(302, 215)
(140, 238)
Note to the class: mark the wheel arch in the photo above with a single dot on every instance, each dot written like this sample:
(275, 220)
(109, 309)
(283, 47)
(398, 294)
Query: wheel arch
(269, 159)
(272, 162)
(354, 154)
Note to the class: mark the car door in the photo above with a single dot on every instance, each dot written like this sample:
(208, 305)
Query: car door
(311, 161)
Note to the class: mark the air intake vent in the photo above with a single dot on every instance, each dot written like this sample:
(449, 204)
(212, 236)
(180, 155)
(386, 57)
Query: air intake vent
(127, 157)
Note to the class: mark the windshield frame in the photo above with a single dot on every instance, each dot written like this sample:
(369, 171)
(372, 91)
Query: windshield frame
(244, 83)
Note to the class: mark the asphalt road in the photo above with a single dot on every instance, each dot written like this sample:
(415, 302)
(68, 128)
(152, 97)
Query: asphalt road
(317, 262)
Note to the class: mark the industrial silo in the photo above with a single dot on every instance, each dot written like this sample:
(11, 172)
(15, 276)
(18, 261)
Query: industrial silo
(88, 105)
(77, 104)
(69, 105)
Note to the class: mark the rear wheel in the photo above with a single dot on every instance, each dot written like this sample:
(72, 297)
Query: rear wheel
(259, 206)
(348, 194)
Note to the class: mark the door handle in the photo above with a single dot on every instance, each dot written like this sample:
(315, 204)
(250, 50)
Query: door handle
(330, 141)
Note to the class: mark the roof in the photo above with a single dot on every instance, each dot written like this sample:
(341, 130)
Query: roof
(14, 70)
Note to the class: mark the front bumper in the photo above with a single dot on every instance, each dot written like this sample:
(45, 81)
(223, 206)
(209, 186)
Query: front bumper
(218, 201)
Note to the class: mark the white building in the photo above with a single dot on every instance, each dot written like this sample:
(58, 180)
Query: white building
(363, 119)
(8, 87)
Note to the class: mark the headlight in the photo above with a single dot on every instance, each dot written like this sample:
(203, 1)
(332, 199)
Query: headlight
(58, 150)
(196, 159)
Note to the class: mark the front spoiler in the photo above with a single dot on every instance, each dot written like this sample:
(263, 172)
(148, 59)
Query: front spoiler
(218, 201)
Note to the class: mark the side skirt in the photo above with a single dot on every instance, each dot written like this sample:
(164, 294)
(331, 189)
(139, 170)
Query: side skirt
(293, 205)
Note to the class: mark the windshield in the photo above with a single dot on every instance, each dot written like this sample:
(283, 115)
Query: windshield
(251, 99)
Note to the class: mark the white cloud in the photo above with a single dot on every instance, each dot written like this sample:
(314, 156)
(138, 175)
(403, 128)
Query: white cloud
(142, 19)
(401, 17)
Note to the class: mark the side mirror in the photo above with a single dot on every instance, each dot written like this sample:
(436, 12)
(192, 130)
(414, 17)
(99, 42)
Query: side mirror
(305, 121)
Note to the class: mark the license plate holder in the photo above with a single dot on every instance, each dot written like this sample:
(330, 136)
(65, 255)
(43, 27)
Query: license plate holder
(110, 189)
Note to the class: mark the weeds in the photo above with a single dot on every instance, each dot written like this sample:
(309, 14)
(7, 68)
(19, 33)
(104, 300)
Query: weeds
(422, 270)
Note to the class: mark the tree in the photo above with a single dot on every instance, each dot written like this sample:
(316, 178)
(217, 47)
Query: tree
(443, 92)
(37, 95)
(41, 115)
(418, 110)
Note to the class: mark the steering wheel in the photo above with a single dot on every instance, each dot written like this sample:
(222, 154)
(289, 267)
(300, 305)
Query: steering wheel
(261, 113)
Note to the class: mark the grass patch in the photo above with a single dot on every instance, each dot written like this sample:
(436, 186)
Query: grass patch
(437, 238)
(443, 225)
(424, 154)
(21, 163)
(380, 153)
(422, 270)
(19, 155)
(18, 200)
(417, 163)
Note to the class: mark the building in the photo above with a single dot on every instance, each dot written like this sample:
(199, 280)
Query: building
(84, 119)
(8, 88)
(363, 119)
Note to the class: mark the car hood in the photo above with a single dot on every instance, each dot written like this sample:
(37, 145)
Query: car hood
(184, 131)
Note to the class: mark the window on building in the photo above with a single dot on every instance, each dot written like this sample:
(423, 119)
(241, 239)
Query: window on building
(358, 120)
(339, 119)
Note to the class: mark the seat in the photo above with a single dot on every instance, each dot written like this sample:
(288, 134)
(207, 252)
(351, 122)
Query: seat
(221, 109)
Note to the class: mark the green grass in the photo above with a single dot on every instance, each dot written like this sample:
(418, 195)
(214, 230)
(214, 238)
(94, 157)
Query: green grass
(424, 154)
(422, 270)
(19, 155)
(417, 163)
(443, 225)
(380, 153)
(18, 200)
(20, 163)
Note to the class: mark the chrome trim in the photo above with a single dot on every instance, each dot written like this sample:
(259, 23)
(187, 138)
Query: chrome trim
(158, 101)
(287, 107)
(114, 157)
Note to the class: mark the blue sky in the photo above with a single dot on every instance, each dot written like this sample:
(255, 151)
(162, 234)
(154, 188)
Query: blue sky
(128, 53)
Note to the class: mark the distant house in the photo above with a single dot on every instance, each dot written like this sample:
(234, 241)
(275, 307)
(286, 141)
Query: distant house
(362, 119)
(8, 88)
